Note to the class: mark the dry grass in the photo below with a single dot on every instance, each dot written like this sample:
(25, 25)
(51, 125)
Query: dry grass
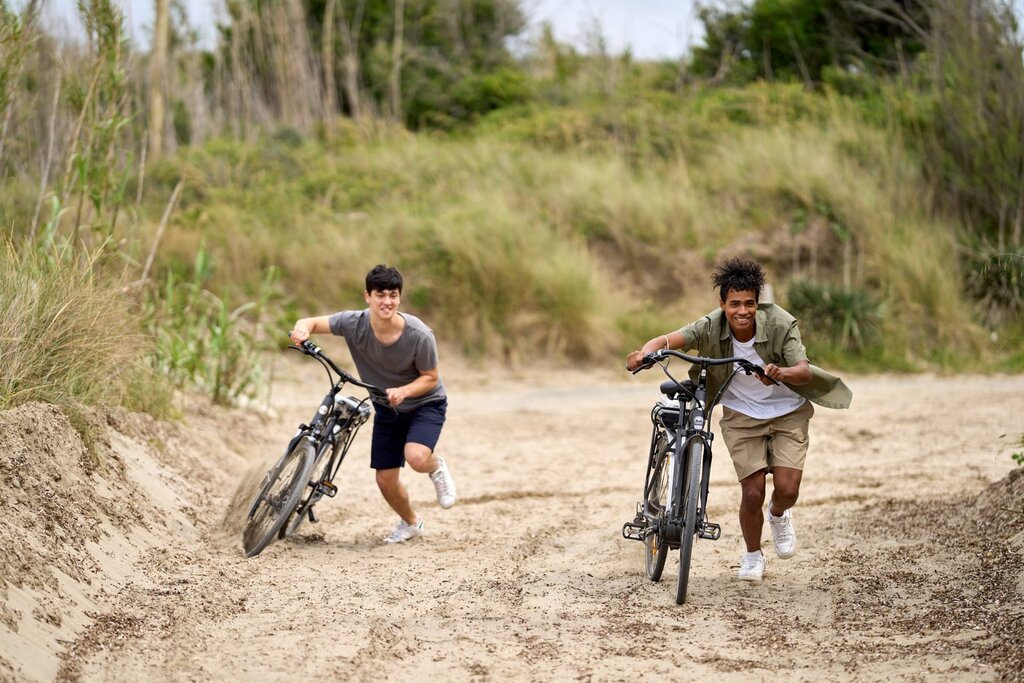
(514, 246)
(68, 339)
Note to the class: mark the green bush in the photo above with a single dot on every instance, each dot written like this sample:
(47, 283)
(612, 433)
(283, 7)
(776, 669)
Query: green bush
(205, 344)
(995, 280)
(849, 319)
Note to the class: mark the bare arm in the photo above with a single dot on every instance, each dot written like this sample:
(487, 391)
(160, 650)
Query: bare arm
(307, 326)
(419, 386)
(672, 340)
(797, 374)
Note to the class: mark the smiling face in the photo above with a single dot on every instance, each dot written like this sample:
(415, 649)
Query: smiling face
(739, 308)
(383, 303)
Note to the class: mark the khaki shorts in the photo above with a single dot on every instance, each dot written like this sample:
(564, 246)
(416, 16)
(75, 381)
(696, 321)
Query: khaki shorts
(762, 444)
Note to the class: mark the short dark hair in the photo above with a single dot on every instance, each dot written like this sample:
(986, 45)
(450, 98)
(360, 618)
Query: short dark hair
(382, 278)
(738, 275)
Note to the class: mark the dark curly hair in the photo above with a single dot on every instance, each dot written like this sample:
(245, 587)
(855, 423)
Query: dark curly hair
(383, 278)
(738, 275)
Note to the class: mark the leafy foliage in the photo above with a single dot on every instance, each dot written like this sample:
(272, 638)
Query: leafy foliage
(850, 319)
(450, 63)
(202, 342)
(995, 279)
(797, 40)
(971, 129)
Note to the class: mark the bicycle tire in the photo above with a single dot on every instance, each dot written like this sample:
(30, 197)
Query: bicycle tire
(278, 497)
(691, 494)
(655, 548)
(296, 518)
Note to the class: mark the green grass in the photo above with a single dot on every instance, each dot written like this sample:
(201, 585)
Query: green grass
(514, 243)
(70, 339)
(577, 232)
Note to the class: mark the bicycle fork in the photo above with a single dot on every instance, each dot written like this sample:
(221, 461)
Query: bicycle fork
(704, 529)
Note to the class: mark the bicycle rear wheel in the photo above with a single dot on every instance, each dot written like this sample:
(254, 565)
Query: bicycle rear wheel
(278, 497)
(691, 494)
(655, 500)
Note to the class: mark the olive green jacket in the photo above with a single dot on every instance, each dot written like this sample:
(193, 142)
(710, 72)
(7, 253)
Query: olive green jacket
(776, 340)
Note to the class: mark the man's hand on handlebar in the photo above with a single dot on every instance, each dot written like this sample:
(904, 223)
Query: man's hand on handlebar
(635, 361)
(298, 335)
(773, 375)
(638, 360)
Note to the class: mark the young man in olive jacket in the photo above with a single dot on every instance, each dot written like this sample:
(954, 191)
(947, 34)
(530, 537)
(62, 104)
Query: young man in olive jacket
(765, 425)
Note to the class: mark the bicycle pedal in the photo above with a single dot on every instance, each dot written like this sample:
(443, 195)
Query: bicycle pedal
(709, 531)
(633, 531)
(330, 490)
(312, 516)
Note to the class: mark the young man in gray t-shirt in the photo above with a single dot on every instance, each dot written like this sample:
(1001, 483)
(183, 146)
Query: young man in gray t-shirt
(396, 352)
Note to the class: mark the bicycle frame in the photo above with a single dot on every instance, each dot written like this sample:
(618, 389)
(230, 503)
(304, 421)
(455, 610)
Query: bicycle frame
(333, 427)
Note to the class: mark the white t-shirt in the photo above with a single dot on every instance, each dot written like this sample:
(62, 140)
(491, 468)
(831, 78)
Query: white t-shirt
(747, 395)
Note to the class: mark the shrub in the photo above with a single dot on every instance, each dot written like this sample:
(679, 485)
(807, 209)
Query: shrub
(849, 319)
(204, 343)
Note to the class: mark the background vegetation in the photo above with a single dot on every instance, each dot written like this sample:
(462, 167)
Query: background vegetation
(869, 152)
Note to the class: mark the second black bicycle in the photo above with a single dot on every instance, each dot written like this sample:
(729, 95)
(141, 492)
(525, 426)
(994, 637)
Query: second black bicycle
(673, 511)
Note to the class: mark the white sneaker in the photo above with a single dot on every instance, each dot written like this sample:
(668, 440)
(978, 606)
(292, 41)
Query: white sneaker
(752, 566)
(782, 533)
(404, 532)
(444, 485)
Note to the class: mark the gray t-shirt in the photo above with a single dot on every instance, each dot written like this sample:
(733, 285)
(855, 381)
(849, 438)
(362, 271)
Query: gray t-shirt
(391, 365)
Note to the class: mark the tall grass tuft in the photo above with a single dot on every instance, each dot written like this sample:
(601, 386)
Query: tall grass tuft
(69, 339)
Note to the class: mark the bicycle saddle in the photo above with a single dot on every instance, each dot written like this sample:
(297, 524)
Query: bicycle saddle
(670, 388)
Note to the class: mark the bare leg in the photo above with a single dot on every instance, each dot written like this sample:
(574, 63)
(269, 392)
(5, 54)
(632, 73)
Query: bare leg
(420, 458)
(786, 489)
(751, 516)
(395, 494)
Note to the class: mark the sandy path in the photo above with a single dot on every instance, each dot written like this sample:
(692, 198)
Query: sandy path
(528, 576)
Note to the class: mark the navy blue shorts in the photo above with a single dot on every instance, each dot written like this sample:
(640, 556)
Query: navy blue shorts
(391, 432)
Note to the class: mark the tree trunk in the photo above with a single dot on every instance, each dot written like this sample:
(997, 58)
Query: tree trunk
(327, 61)
(158, 77)
(350, 60)
(395, 81)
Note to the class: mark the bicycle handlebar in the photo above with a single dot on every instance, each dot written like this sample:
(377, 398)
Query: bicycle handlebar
(651, 359)
(377, 395)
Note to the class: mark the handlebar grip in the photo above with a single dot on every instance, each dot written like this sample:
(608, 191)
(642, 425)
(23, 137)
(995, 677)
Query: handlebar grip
(759, 371)
(649, 360)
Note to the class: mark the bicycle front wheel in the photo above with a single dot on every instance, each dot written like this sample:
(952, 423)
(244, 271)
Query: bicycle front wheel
(691, 494)
(655, 502)
(278, 497)
(318, 472)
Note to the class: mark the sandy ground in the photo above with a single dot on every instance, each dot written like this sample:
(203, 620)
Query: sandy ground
(909, 567)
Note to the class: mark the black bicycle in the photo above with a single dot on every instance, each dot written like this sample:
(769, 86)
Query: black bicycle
(306, 471)
(673, 511)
